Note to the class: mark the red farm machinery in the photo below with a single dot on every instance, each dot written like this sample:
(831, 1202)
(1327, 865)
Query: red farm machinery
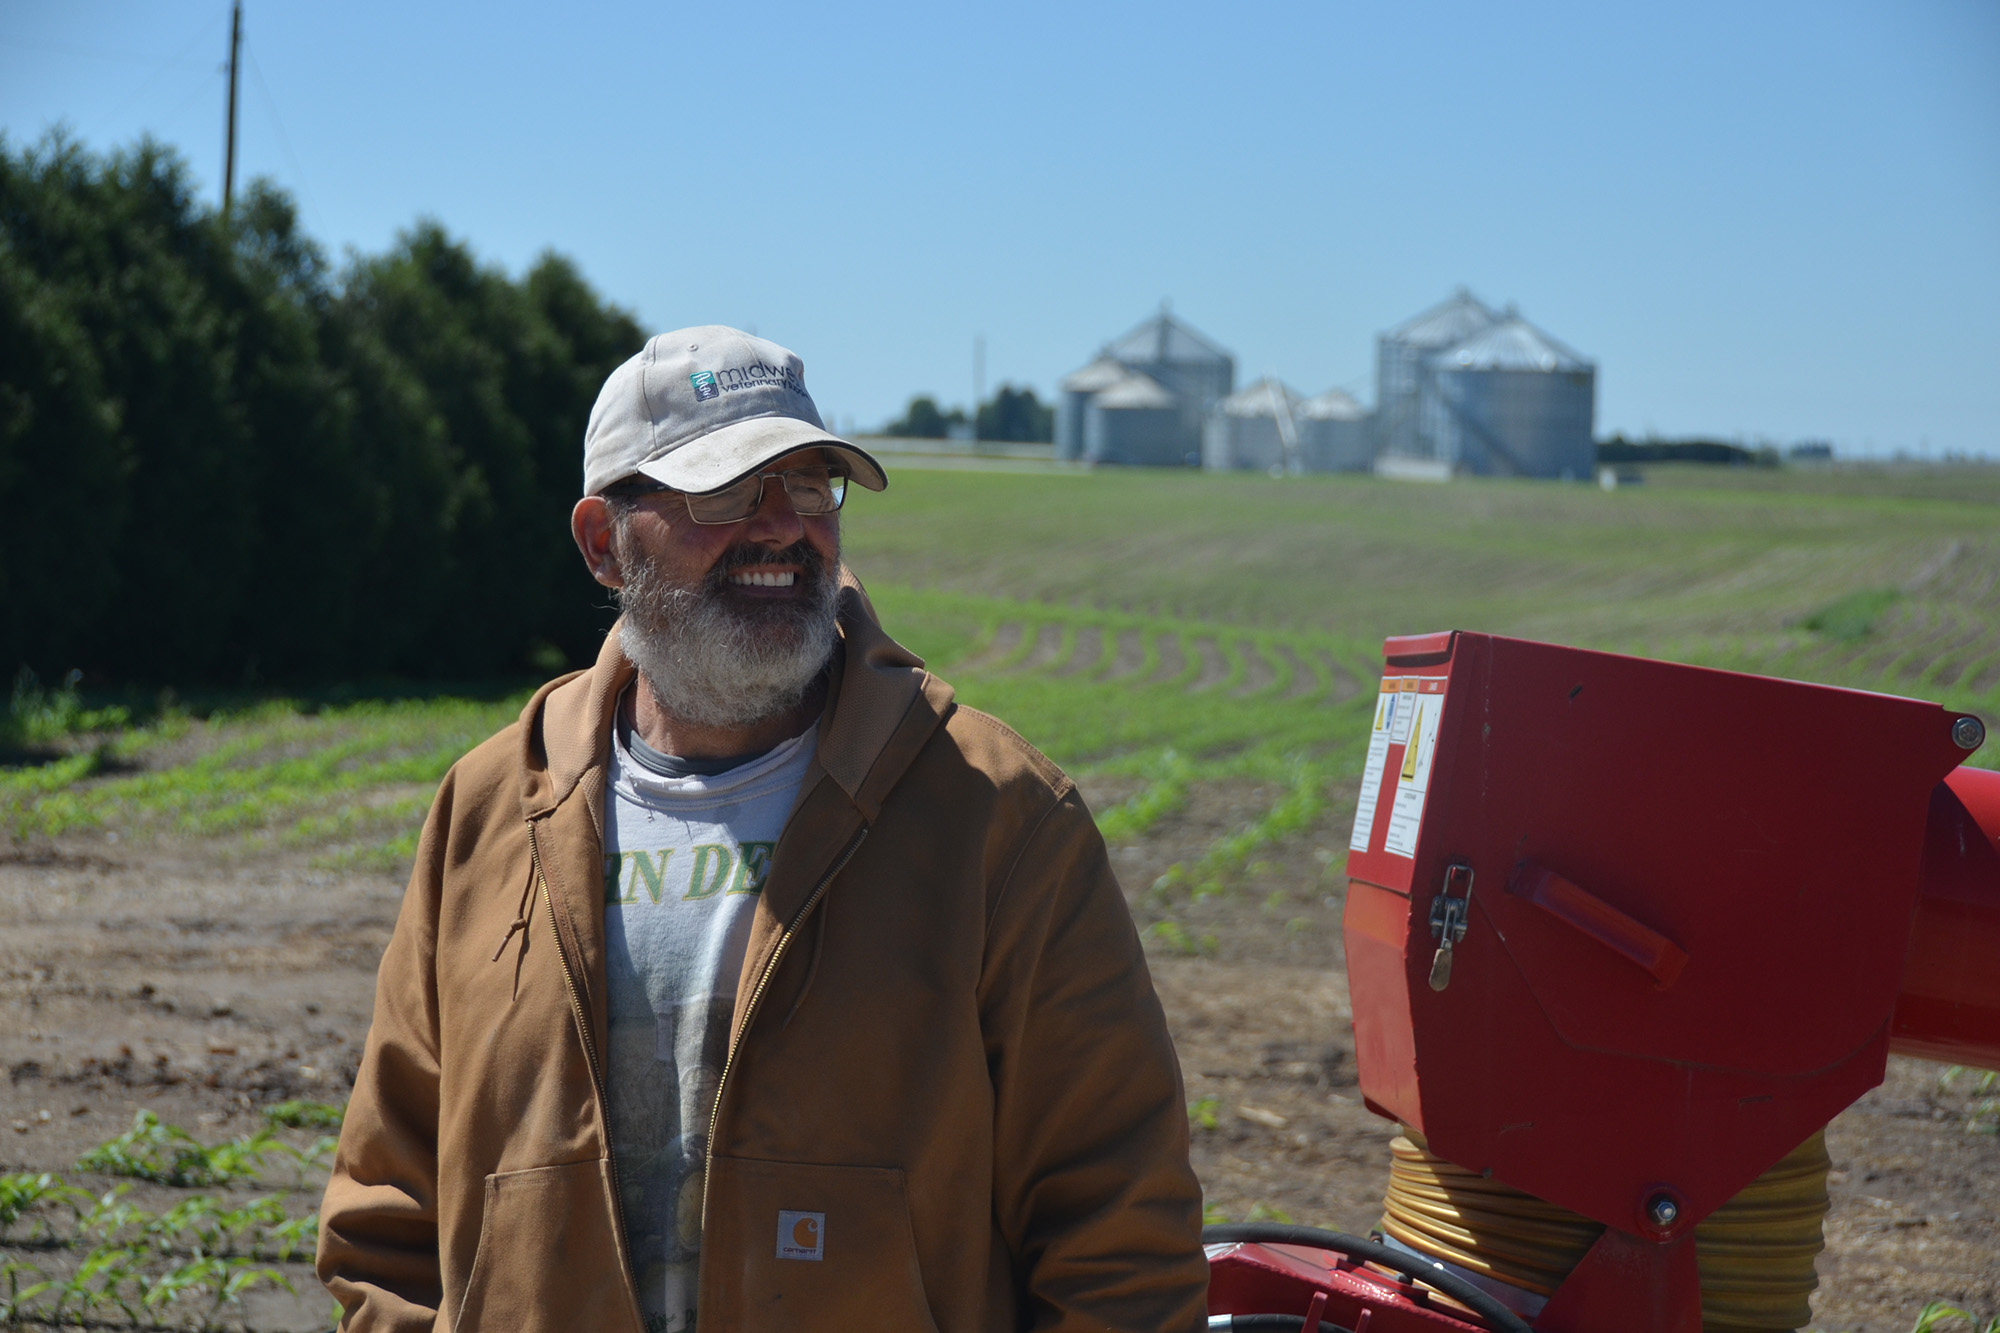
(1622, 937)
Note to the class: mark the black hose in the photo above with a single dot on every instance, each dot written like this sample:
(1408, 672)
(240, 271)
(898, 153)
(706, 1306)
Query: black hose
(1409, 1265)
(1275, 1323)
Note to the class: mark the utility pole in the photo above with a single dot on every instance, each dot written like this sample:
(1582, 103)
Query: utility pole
(229, 140)
(978, 381)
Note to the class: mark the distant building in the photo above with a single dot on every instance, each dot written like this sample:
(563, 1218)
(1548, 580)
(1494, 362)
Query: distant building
(1401, 357)
(1135, 421)
(1462, 389)
(1074, 400)
(1336, 434)
(1256, 428)
(1193, 372)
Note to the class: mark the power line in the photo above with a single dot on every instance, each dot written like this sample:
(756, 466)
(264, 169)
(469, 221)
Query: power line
(284, 140)
(178, 61)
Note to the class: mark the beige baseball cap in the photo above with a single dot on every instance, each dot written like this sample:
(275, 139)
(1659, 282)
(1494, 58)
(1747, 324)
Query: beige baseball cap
(699, 408)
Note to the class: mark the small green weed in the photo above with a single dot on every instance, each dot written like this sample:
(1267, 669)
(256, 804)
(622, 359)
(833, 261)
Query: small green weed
(1934, 1315)
(1852, 618)
(168, 1155)
(1204, 1113)
(38, 717)
(304, 1115)
(1178, 938)
(1167, 777)
(27, 1194)
(1984, 1115)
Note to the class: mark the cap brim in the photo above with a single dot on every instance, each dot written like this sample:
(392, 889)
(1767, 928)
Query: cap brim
(732, 452)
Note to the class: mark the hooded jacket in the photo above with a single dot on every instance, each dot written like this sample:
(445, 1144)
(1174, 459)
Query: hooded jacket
(946, 1050)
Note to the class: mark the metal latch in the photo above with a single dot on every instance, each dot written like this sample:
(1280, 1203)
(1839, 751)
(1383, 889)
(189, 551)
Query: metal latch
(1449, 917)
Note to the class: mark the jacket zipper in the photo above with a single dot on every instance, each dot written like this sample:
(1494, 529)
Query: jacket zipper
(756, 998)
(596, 1073)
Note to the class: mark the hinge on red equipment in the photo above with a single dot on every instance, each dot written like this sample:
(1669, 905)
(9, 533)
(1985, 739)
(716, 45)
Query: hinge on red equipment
(1449, 919)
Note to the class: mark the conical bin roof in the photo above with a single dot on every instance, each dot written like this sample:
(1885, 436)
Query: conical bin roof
(1449, 322)
(1164, 338)
(1333, 405)
(1262, 399)
(1098, 375)
(1512, 344)
(1135, 391)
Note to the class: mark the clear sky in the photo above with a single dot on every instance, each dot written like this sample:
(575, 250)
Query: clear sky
(1767, 220)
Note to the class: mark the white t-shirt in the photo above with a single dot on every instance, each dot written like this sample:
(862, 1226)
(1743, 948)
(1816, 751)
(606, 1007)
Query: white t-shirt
(684, 861)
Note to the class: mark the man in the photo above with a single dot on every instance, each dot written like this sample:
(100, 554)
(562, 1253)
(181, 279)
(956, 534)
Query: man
(747, 976)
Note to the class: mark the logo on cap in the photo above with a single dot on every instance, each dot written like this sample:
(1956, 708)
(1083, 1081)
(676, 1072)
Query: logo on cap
(704, 385)
(801, 1235)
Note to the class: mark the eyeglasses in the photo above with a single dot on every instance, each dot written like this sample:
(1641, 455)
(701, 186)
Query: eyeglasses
(813, 491)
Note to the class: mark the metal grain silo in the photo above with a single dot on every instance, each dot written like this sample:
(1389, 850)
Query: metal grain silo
(1401, 361)
(1257, 428)
(1077, 390)
(1135, 421)
(1335, 434)
(1196, 371)
(1511, 401)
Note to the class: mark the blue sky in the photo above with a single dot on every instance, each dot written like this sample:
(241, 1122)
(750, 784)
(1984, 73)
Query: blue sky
(1769, 221)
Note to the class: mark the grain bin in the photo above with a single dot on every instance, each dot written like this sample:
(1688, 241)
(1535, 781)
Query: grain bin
(1256, 429)
(1401, 363)
(1335, 434)
(1135, 421)
(1511, 401)
(1077, 390)
(1197, 372)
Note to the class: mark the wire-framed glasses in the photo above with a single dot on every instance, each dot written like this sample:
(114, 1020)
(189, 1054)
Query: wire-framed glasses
(814, 491)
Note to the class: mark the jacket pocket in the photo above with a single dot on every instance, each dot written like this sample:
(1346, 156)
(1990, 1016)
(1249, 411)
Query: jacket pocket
(795, 1246)
(548, 1255)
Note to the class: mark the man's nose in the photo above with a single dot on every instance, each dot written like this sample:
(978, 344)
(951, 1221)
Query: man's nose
(774, 522)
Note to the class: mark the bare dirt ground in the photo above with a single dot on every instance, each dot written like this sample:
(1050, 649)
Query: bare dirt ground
(202, 981)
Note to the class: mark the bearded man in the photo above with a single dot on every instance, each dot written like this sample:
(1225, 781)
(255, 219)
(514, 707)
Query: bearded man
(748, 977)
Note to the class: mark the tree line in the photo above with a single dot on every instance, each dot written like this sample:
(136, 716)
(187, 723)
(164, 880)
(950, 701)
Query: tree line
(1011, 414)
(224, 459)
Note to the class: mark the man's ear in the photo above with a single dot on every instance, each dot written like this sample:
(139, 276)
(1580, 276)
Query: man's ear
(590, 525)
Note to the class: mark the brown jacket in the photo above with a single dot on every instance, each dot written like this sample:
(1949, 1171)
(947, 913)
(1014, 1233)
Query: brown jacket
(945, 1040)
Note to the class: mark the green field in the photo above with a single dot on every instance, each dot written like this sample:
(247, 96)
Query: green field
(1157, 630)
(1170, 637)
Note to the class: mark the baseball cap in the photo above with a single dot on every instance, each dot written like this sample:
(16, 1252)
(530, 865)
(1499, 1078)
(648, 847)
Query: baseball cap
(699, 408)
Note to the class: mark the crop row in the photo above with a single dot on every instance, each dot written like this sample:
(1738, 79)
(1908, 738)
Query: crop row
(1169, 700)
(78, 1257)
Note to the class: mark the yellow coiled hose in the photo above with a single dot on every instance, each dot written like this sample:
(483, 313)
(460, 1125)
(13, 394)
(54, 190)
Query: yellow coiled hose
(1755, 1252)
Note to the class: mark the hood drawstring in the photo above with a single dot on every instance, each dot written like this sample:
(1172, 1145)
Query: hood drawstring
(520, 915)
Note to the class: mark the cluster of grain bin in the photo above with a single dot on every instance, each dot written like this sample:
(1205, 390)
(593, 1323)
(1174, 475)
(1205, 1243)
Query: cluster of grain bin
(1145, 397)
(1462, 388)
(1271, 427)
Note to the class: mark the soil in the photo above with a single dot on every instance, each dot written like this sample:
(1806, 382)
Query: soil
(202, 982)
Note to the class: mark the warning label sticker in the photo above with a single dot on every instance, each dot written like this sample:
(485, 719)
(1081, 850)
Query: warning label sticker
(1425, 707)
(1378, 758)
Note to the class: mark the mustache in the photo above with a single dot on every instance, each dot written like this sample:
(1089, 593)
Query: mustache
(813, 565)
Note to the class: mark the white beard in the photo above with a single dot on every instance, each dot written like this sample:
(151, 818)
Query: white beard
(712, 663)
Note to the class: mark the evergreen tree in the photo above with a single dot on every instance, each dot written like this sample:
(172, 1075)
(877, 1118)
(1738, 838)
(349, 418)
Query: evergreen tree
(221, 462)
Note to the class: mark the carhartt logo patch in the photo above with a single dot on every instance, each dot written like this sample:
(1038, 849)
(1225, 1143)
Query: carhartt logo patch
(704, 385)
(801, 1235)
